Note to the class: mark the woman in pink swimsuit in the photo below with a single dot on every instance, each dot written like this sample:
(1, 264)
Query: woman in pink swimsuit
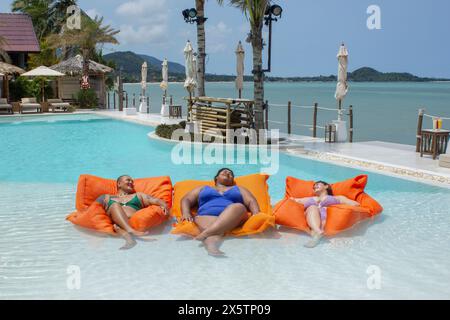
(316, 209)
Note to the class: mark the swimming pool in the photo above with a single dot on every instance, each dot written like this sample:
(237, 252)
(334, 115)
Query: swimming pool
(42, 158)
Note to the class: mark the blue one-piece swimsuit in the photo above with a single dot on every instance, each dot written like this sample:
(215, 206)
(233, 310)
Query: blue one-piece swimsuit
(212, 203)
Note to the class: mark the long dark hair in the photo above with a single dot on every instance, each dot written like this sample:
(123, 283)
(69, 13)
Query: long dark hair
(220, 171)
(329, 190)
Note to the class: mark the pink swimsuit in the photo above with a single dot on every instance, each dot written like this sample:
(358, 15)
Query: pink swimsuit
(328, 201)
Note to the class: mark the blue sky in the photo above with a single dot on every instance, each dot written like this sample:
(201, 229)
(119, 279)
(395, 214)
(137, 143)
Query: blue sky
(413, 35)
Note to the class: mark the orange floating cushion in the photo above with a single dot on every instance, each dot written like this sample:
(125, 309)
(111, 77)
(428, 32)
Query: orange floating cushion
(91, 187)
(92, 215)
(340, 217)
(255, 183)
(351, 188)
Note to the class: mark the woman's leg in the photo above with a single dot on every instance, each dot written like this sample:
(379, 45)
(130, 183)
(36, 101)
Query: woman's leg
(120, 217)
(129, 241)
(233, 216)
(212, 243)
(314, 222)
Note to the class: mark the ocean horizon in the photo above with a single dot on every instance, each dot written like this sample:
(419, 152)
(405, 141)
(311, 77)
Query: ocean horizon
(383, 111)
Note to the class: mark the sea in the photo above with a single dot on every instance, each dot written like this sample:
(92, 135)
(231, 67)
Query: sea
(382, 111)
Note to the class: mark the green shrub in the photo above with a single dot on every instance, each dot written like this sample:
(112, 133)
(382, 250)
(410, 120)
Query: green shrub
(26, 88)
(86, 99)
(166, 131)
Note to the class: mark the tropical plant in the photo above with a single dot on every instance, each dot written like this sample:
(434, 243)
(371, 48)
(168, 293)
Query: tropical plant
(46, 57)
(47, 15)
(86, 98)
(87, 38)
(255, 10)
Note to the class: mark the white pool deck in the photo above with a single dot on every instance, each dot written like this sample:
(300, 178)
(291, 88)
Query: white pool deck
(376, 156)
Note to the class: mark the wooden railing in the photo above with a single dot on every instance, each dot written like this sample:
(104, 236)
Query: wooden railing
(314, 126)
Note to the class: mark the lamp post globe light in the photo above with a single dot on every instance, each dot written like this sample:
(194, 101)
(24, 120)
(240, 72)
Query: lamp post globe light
(191, 16)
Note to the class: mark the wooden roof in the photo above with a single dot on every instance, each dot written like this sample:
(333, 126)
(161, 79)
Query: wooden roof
(18, 31)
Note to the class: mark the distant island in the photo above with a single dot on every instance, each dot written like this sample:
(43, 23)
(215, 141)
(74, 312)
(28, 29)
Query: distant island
(130, 63)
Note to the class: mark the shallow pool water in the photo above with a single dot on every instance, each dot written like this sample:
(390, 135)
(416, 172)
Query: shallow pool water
(42, 158)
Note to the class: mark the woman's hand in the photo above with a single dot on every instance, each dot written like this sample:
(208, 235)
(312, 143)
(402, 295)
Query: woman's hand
(165, 209)
(187, 217)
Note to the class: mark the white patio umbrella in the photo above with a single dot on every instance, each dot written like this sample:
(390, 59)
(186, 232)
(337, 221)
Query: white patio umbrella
(165, 77)
(342, 86)
(190, 84)
(240, 56)
(142, 106)
(42, 71)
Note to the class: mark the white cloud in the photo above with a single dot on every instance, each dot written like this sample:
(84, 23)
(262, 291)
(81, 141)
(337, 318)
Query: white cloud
(142, 34)
(218, 37)
(149, 9)
(92, 13)
(143, 21)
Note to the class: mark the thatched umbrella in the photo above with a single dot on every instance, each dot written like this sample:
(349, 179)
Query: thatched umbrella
(74, 66)
(7, 69)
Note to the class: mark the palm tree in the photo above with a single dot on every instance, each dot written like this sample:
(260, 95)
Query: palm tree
(255, 11)
(201, 45)
(87, 38)
(47, 15)
(38, 10)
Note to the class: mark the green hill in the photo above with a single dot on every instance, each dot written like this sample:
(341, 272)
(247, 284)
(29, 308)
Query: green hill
(131, 63)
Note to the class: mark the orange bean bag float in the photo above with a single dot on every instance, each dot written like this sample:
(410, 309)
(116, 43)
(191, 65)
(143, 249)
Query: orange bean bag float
(340, 217)
(256, 184)
(91, 214)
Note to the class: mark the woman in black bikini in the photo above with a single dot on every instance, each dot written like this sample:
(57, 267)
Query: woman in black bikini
(124, 205)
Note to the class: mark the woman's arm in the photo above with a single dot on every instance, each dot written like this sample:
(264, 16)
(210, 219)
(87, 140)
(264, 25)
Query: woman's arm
(152, 201)
(188, 202)
(302, 200)
(249, 201)
(103, 200)
(347, 201)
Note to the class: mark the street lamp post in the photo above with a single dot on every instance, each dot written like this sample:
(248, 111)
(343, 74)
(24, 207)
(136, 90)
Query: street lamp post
(272, 14)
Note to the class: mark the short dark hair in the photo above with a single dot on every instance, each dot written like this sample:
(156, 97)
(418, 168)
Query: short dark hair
(220, 171)
(329, 190)
(119, 178)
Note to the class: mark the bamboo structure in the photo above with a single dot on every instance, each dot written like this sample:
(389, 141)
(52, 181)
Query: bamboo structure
(218, 117)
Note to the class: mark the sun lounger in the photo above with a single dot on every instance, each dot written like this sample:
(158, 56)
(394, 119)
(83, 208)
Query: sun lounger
(30, 104)
(58, 105)
(5, 106)
(444, 160)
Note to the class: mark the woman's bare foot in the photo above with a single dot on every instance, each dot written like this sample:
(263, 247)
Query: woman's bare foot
(316, 237)
(129, 241)
(213, 250)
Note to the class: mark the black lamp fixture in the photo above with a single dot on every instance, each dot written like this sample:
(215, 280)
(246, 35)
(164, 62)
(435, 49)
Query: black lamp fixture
(191, 16)
(273, 13)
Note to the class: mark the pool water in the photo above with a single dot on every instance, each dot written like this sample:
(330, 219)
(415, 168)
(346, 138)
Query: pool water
(42, 158)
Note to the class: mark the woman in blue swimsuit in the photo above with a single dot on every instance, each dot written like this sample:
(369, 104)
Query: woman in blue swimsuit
(316, 209)
(124, 205)
(221, 209)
